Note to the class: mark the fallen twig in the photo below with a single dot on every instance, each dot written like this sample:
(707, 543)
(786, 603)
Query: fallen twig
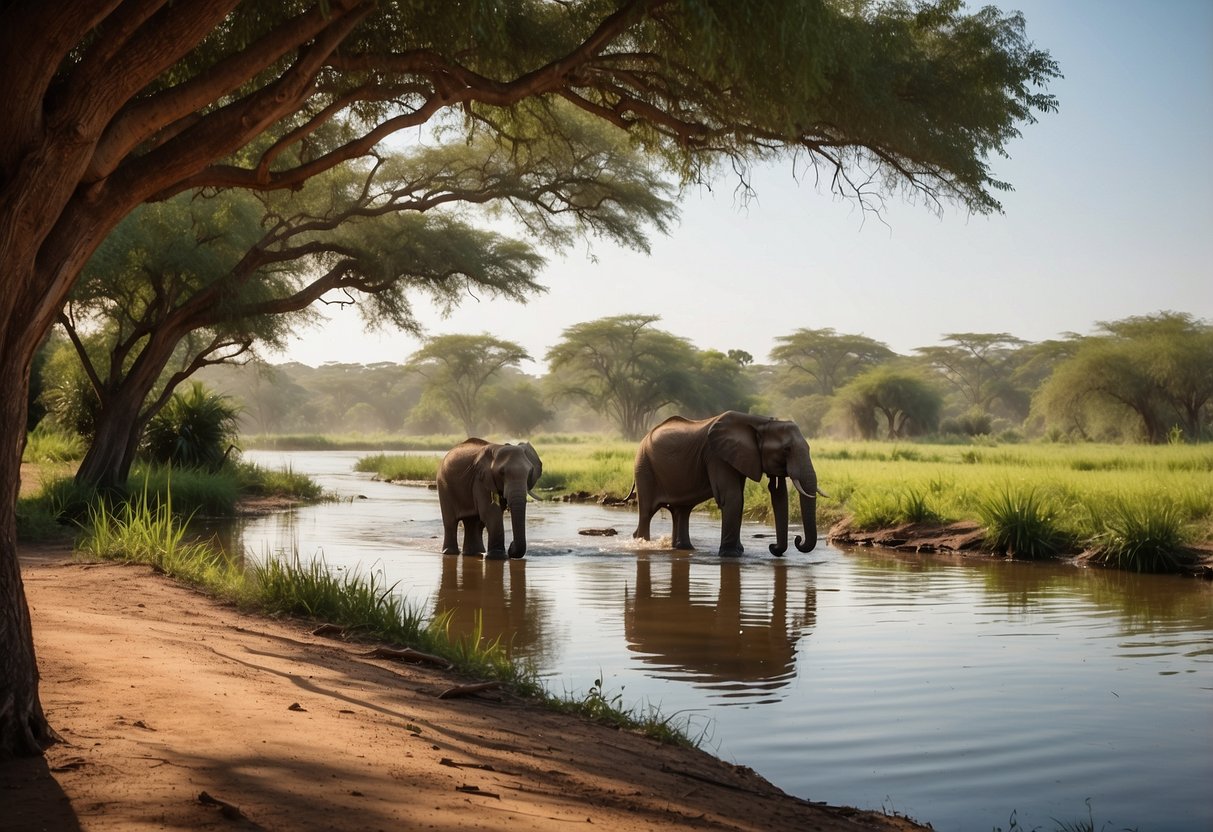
(407, 654)
(226, 809)
(329, 630)
(477, 791)
(447, 761)
(468, 690)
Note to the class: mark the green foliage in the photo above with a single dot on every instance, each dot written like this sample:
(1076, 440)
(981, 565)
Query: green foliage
(824, 360)
(458, 368)
(646, 719)
(141, 530)
(400, 467)
(1141, 535)
(516, 407)
(258, 481)
(195, 429)
(47, 443)
(68, 396)
(887, 508)
(1140, 378)
(908, 403)
(1019, 524)
(623, 367)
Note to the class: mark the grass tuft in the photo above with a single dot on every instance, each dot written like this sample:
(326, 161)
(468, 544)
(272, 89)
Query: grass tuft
(1142, 535)
(1019, 524)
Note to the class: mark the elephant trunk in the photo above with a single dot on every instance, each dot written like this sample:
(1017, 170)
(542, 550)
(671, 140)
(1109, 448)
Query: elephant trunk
(808, 512)
(515, 498)
(779, 506)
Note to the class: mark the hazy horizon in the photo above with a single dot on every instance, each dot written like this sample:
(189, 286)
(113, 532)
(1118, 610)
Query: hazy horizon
(1111, 216)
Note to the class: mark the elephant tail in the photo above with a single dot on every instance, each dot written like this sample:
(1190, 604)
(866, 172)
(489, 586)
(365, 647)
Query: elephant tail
(608, 500)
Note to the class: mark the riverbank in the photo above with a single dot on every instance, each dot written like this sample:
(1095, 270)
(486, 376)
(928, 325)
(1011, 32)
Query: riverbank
(178, 711)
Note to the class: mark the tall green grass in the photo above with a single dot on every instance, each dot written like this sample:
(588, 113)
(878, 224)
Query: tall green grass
(144, 531)
(592, 467)
(49, 445)
(1141, 535)
(400, 467)
(351, 442)
(1018, 523)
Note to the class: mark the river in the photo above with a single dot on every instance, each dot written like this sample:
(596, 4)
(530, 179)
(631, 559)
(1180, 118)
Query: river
(971, 694)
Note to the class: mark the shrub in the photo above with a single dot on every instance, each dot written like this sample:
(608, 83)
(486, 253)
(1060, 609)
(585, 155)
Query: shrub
(46, 443)
(1142, 535)
(194, 429)
(1019, 524)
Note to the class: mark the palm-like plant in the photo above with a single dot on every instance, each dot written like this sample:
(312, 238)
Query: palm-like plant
(194, 429)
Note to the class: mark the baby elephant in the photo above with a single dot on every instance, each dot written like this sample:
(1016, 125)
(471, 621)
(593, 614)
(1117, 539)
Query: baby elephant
(477, 482)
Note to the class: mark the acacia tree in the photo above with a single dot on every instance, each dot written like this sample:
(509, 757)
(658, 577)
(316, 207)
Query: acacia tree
(980, 367)
(1153, 371)
(457, 369)
(827, 359)
(109, 105)
(624, 367)
(195, 280)
(908, 403)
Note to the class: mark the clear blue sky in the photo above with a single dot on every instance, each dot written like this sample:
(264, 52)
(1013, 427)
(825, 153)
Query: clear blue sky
(1111, 216)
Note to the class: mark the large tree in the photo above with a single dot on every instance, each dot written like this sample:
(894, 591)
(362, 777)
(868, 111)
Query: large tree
(908, 403)
(1153, 373)
(112, 104)
(824, 359)
(457, 370)
(196, 279)
(980, 367)
(624, 367)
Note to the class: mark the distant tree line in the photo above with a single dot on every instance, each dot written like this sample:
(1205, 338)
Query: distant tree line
(1146, 378)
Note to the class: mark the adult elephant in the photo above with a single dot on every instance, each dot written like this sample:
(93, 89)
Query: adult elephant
(477, 482)
(681, 463)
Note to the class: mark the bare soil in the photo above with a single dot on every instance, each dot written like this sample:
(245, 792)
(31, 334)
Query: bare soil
(180, 712)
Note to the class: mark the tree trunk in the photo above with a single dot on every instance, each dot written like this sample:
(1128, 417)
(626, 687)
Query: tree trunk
(107, 463)
(24, 730)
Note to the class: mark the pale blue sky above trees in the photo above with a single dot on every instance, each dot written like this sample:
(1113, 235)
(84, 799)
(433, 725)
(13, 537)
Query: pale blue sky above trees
(1111, 216)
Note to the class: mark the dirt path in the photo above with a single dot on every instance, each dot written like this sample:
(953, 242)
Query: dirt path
(162, 694)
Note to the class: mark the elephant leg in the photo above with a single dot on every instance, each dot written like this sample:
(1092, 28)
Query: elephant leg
(645, 510)
(450, 528)
(473, 542)
(681, 536)
(731, 503)
(495, 526)
(450, 539)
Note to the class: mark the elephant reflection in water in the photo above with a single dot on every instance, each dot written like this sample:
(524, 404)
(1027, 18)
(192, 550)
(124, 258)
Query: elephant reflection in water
(725, 644)
(474, 592)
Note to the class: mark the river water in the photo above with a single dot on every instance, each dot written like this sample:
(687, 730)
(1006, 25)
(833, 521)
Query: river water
(972, 694)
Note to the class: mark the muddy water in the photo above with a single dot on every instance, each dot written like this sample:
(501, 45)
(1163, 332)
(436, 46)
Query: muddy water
(973, 695)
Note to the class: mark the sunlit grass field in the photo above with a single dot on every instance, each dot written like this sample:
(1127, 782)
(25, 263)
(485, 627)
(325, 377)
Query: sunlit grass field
(1033, 499)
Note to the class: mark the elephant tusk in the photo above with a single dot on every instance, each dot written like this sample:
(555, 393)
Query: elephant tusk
(804, 493)
(531, 494)
(821, 493)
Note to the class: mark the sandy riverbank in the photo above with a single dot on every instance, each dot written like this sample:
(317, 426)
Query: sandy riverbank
(162, 695)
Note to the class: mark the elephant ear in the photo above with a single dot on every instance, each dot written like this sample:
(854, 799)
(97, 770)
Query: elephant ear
(736, 442)
(536, 464)
(483, 466)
